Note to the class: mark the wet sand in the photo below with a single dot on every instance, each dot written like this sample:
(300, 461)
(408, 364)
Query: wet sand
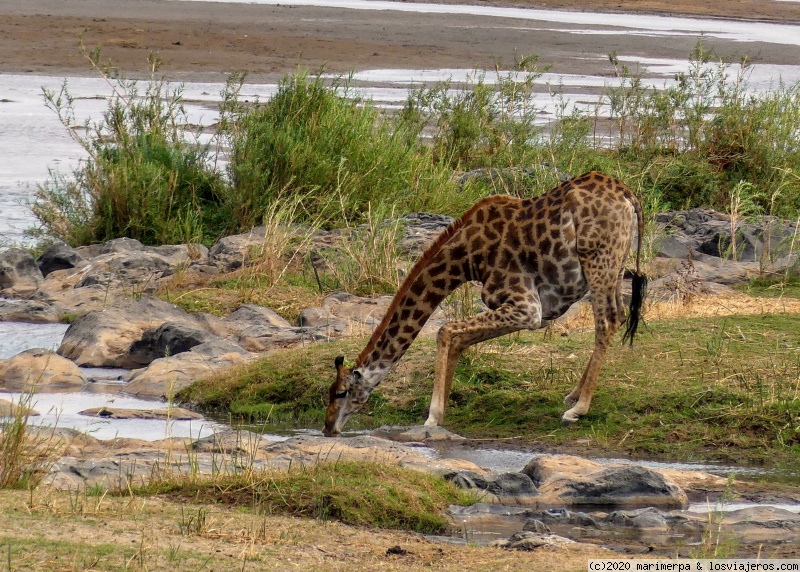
(208, 41)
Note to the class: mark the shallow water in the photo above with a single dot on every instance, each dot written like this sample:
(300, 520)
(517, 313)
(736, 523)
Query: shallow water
(61, 410)
(16, 337)
(500, 460)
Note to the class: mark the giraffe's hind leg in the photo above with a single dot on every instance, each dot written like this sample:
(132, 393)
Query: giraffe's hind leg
(455, 337)
(609, 315)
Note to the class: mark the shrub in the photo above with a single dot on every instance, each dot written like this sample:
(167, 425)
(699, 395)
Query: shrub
(144, 178)
(334, 148)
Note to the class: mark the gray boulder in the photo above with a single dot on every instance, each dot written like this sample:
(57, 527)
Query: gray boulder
(29, 311)
(166, 376)
(41, 369)
(167, 340)
(762, 240)
(420, 230)
(564, 479)
(236, 251)
(19, 275)
(102, 338)
(59, 256)
(515, 487)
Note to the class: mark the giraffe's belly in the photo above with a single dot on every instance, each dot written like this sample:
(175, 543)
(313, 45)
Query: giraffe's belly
(556, 300)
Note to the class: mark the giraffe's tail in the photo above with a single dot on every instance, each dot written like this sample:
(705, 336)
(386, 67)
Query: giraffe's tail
(639, 279)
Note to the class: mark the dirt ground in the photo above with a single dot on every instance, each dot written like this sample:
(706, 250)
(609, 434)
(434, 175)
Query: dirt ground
(207, 41)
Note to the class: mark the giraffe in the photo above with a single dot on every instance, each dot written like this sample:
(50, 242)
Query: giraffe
(535, 257)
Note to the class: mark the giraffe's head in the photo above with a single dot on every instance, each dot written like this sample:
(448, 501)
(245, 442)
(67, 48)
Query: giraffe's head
(347, 396)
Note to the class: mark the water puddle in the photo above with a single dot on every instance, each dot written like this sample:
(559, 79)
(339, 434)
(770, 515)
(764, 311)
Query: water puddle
(62, 410)
(16, 337)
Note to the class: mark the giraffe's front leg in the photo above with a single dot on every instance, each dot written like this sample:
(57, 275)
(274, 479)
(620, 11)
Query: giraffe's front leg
(456, 336)
(571, 398)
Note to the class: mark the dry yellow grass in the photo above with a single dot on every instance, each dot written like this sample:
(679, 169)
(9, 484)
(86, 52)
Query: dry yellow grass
(700, 306)
(133, 533)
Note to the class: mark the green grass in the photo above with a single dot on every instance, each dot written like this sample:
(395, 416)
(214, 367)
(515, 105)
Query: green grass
(692, 389)
(364, 494)
(787, 287)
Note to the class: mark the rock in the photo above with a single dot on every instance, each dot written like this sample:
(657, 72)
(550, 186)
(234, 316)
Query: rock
(113, 473)
(578, 482)
(120, 462)
(760, 240)
(311, 449)
(562, 517)
(770, 519)
(19, 275)
(28, 311)
(172, 413)
(59, 256)
(265, 337)
(251, 314)
(343, 314)
(60, 290)
(648, 518)
(415, 434)
(11, 409)
(235, 251)
(115, 269)
(258, 329)
(528, 541)
(167, 340)
(516, 488)
(420, 230)
(164, 377)
(39, 368)
(102, 338)
(230, 442)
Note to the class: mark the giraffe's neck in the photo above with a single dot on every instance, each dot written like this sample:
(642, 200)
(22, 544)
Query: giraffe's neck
(435, 276)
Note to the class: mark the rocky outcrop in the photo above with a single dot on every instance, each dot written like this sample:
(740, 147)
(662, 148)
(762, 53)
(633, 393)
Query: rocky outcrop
(166, 376)
(574, 481)
(39, 369)
(28, 311)
(102, 338)
(119, 463)
(503, 488)
(20, 277)
(59, 256)
(563, 480)
(343, 314)
(11, 409)
(172, 413)
(167, 340)
(704, 232)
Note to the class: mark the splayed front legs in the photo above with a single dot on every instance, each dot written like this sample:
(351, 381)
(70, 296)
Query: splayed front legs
(455, 337)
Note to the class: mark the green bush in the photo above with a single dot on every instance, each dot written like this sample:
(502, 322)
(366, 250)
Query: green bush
(704, 140)
(144, 178)
(337, 151)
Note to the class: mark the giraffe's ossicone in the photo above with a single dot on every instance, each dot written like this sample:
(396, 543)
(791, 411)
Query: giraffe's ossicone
(535, 258)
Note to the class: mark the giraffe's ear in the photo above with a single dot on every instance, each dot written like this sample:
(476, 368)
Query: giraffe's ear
(357, 374)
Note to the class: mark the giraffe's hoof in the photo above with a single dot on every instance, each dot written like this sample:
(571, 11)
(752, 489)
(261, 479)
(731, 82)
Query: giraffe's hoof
(570, 416)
